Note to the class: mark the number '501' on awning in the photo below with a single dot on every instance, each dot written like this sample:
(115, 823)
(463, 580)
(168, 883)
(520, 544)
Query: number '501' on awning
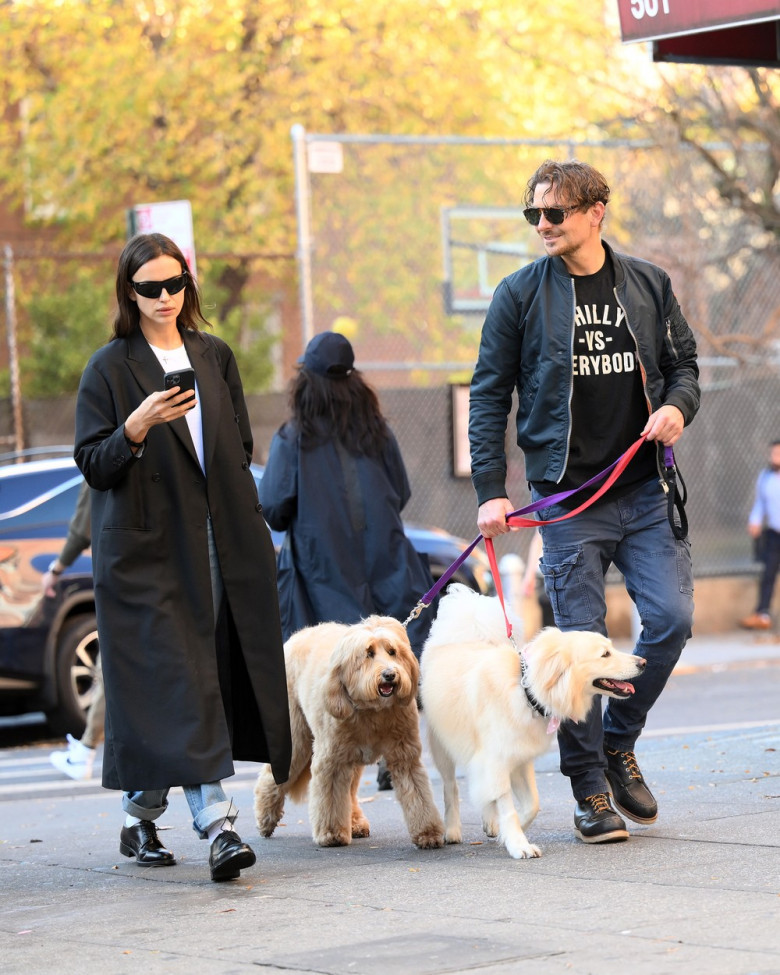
(745, 32)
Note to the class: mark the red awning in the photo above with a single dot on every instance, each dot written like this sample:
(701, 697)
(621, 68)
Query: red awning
(745, 32)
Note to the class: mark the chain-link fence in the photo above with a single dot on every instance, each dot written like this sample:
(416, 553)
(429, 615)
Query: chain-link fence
(405, 241)
(409, 236)
(65, 301)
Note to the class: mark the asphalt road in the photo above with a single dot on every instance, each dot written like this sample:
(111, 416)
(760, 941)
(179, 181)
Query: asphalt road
(698, 702)
(704, 698)
(709, 698)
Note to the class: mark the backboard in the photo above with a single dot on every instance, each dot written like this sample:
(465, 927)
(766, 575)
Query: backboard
(480, 246)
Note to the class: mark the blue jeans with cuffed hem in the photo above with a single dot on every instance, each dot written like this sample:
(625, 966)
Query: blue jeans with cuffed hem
(208, 804)
(633, 533)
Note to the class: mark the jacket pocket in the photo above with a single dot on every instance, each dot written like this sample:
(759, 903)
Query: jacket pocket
(680, 343)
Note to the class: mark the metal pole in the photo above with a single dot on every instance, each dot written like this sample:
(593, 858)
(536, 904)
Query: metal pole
(303, 215)
(13, 357)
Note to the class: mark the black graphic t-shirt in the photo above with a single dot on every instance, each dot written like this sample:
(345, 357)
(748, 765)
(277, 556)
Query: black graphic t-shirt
(608, 405)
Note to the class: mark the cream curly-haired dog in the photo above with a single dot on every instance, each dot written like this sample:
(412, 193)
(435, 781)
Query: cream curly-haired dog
(352, 692)
(489, 708)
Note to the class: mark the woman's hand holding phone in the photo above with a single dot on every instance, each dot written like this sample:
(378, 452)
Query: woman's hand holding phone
(176, 400)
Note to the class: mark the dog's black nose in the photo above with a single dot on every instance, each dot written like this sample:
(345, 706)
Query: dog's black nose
(389, 676)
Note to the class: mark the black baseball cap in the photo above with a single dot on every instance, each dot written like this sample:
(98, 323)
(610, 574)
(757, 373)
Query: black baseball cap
(329, 354)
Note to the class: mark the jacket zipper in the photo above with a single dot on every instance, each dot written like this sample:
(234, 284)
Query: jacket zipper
(669, 337)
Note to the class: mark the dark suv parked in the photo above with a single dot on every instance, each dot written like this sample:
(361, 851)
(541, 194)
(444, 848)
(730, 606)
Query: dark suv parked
(48, 645)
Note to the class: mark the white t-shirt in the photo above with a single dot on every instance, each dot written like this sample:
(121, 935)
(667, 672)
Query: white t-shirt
(171, 360)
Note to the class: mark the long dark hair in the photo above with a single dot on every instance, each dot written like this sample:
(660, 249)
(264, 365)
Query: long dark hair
(342, 407)
(137, 251)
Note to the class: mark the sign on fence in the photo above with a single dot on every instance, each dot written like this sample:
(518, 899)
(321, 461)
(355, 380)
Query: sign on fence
(174, 219)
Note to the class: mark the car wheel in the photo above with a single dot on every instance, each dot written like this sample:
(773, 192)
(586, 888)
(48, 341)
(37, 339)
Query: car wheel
(77, 650)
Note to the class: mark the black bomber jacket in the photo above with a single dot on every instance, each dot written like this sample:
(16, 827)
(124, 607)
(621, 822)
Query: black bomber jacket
(527, 341)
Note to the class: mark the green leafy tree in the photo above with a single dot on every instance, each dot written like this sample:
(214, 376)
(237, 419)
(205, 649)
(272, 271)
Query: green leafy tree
(63, 329)
(245, 327)
(113, 104)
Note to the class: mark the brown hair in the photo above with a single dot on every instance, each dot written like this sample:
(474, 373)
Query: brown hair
(137, 251)
(577, 183)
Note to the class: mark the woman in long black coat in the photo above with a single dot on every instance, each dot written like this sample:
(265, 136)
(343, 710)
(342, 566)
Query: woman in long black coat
(185, 581)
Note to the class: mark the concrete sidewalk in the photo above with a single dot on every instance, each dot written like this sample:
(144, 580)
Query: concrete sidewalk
(695, 893)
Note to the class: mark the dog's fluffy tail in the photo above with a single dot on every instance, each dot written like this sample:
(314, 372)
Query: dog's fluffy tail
(298, 790)
(466, 616)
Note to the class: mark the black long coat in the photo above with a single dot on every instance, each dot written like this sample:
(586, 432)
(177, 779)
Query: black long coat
(346, 555)
(180, 705)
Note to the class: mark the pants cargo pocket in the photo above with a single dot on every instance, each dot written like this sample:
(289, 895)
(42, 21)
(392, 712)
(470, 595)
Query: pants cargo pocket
(564, 580)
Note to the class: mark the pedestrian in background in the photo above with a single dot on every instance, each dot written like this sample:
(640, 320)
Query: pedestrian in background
(600, 354)
(335, 482)
(764, 529)
(77, 760)
(184, 567)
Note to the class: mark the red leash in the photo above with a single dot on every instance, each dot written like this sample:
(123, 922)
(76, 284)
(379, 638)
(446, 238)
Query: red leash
(514, 519)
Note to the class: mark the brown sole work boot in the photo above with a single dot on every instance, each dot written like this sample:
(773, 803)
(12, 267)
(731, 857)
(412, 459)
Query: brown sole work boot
(629, 789)
(595, 821)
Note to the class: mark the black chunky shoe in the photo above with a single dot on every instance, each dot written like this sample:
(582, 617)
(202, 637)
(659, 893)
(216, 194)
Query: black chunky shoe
(229, 856)
(141, 841)
(629, 790)
(595, 821)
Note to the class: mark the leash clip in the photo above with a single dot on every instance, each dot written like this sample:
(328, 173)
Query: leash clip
(669, 476)
(415, 612)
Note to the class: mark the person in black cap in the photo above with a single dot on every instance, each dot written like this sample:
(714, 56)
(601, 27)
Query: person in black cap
(335, 482)
(328, 354)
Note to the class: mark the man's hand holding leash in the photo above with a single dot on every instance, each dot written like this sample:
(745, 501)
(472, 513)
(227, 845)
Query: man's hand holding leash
(666, 425)
(491, 517)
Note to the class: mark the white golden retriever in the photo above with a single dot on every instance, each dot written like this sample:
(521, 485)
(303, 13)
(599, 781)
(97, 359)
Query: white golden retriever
(352, 692)
(488, 709)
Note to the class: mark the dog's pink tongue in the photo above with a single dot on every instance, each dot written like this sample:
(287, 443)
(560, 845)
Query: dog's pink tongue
(623, 685)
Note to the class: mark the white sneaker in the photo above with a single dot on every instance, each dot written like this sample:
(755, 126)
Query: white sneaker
(76, 762)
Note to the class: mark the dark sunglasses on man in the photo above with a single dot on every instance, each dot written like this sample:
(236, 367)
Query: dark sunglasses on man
(153, 289)
(554, 215)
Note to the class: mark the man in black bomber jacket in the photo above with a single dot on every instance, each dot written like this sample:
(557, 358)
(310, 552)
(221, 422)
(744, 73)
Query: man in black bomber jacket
(600, 354)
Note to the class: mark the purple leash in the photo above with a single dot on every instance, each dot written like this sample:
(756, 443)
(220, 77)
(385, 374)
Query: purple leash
(669, 486)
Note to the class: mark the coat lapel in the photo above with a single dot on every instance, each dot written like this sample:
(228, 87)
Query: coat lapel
(143, 363)
(202, 354)
(148, 372)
